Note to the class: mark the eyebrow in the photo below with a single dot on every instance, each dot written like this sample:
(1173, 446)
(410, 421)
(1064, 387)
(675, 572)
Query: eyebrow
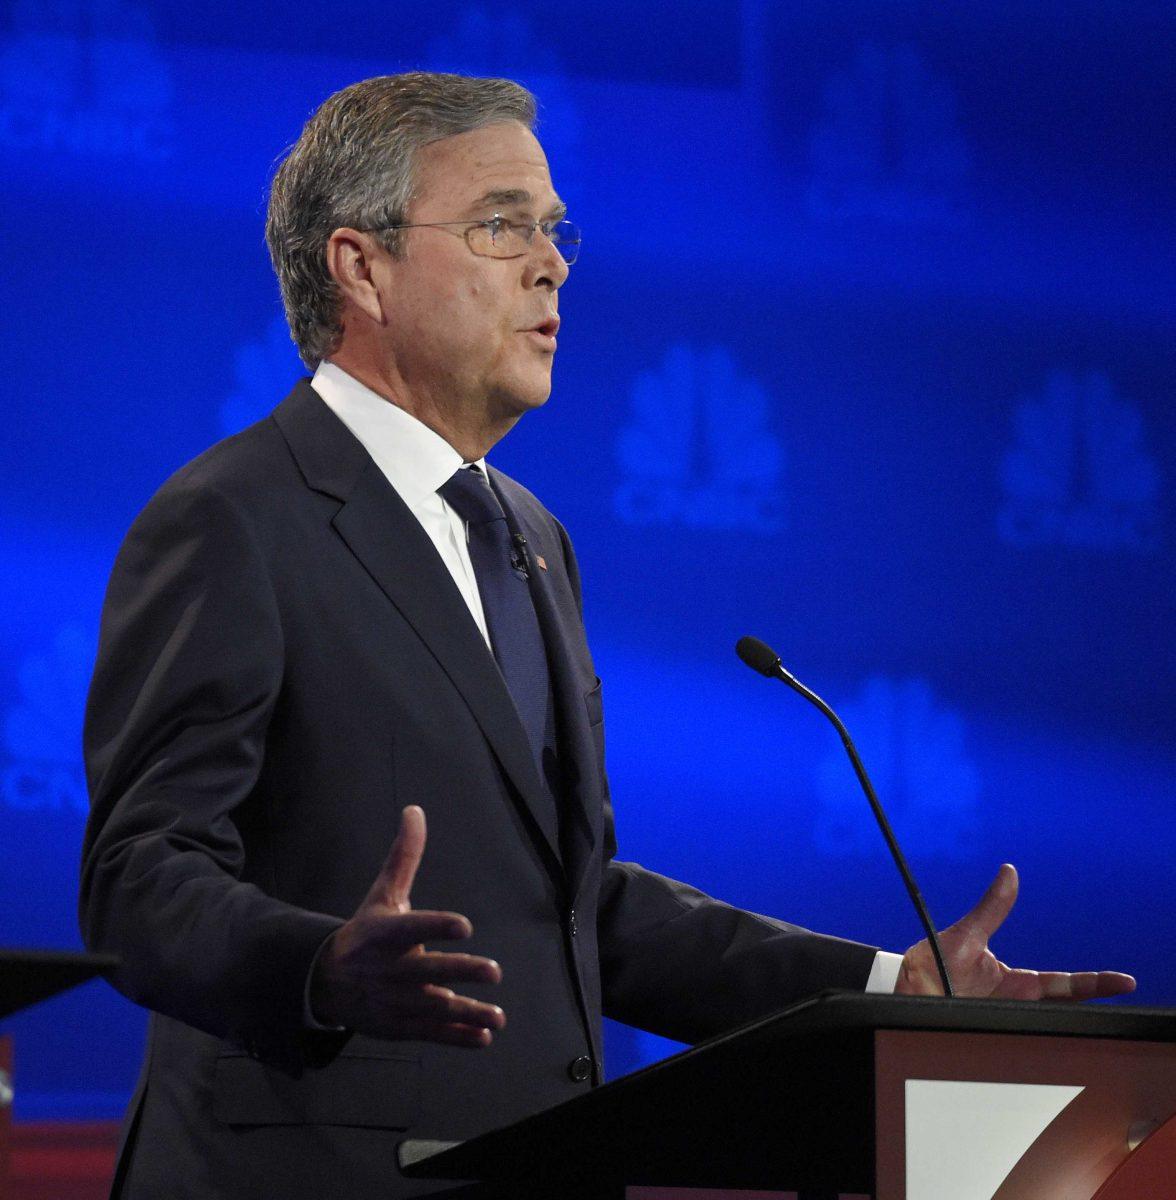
(502, 197)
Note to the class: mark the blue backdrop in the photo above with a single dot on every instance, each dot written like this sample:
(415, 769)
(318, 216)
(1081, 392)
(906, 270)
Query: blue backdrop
(869, 352)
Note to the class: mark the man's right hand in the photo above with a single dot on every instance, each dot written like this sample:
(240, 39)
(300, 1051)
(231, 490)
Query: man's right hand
(375, 977)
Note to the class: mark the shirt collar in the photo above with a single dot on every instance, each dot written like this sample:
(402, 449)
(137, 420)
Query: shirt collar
(415, 459)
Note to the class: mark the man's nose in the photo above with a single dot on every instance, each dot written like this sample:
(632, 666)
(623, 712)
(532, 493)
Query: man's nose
(546, 266)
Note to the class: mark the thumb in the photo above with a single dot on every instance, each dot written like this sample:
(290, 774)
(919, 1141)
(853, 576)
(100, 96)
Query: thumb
(996, 903)
(393, 885)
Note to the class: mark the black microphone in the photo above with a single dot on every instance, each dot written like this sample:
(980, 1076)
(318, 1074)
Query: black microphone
(762, 658)
(518, 554)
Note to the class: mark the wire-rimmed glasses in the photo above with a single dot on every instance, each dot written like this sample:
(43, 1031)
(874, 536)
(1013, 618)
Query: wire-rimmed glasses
(499, 237)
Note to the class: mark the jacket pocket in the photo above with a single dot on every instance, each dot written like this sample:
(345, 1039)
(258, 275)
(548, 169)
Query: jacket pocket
(364, 1088)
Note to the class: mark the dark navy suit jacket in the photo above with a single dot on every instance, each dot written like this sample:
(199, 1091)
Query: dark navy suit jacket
(284, 664)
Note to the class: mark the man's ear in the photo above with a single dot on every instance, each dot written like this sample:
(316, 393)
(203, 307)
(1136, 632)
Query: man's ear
(351, 256)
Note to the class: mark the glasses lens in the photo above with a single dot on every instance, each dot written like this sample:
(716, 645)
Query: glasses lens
(499, 239)
(496, 239)
(566, 238)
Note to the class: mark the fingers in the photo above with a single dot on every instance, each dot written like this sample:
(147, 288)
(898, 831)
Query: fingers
(411, 1011)
(470, 1037)
(389, 997)
(402, 1002)
(393, 885)
(371, 945)
(388, 937)
(437, 968)
(1063, 985)
(384, 967)
(1084, 985)
(996, 903)
(1113, 983)
(1018, 984)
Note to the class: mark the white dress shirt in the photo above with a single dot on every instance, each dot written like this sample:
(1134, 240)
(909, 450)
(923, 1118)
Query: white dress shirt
(416, 462)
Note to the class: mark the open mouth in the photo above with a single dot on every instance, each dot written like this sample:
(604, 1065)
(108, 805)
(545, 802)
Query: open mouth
(543, 334)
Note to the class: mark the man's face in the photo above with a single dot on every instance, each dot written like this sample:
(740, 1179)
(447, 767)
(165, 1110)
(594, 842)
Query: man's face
(462, 329)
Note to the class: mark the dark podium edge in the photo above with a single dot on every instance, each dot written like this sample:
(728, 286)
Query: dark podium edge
(566, 1150)
(29, 976)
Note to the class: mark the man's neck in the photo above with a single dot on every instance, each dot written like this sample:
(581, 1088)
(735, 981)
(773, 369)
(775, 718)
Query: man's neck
(472, 439)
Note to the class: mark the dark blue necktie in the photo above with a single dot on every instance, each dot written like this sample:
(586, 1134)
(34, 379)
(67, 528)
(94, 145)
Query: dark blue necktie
(499, 566)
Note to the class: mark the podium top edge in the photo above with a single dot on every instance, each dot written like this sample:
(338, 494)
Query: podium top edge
(29, 957)
(29, 976)
(843, 1010)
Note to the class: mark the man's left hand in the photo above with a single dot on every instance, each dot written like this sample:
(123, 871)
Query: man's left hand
(976, 971)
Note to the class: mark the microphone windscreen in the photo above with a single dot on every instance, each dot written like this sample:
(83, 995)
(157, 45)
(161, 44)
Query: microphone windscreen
(758, 655)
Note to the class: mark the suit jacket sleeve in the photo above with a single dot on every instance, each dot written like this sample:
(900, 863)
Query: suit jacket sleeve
(684, 965)
(189, 668)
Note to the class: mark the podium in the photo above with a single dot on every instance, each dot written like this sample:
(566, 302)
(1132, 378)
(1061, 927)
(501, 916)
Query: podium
(26, 978)
(892, 1097)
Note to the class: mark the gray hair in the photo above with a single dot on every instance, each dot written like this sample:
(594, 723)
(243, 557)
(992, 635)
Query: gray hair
(354, 164)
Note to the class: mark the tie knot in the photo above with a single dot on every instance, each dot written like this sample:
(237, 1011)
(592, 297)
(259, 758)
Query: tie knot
(469, 494)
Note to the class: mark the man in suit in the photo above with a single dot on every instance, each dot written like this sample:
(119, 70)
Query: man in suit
(341, 619)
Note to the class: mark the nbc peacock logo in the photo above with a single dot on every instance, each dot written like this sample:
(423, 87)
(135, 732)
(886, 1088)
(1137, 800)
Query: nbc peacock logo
(264, 370)
(698, 450)
(1079, 472)
(43, 728)
(914, 750)
(85, 79)
(501, 41)
(888, 144)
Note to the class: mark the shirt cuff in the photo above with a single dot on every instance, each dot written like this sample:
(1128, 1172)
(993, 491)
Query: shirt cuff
(884, 972)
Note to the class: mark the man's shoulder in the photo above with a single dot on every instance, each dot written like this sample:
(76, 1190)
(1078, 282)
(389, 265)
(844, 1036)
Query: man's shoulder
(236, 461)
(520, 498)
(553, 541)
(239, 479)
(253, 467)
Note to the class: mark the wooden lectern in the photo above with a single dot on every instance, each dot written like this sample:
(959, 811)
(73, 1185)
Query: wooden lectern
(893, 1097)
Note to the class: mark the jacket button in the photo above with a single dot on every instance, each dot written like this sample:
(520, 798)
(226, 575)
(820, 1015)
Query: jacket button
(580, 1068)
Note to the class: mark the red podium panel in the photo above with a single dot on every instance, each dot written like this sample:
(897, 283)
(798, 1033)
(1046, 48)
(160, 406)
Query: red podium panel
(1149, 1171)
(1123, 1087)
(5, 1113)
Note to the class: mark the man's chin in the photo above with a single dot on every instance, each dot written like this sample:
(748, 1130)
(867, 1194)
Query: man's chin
(525, 397)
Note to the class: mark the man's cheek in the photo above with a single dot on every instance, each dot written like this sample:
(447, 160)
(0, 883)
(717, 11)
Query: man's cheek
(470, 293)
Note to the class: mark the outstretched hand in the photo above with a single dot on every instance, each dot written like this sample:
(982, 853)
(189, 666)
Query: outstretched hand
(976, 971)
(374, 976)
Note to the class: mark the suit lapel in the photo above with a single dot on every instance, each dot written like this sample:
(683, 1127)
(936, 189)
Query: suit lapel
(380, 530)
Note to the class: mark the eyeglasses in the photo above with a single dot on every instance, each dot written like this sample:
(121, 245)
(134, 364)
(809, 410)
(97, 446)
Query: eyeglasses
(499, 238)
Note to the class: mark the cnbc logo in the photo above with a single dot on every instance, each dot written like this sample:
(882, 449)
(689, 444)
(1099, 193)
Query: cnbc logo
(500, 41)
(1079, 472)
(264, 371)
(85, 79)
(914, 751)
(698, 450)
(42, 764)
(888, 144)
